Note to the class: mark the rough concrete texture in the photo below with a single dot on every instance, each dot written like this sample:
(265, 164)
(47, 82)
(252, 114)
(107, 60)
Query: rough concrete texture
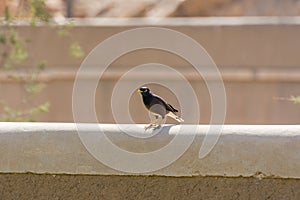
(33, 186)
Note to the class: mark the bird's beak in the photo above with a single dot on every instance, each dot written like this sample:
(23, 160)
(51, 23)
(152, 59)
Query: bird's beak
(139, 91)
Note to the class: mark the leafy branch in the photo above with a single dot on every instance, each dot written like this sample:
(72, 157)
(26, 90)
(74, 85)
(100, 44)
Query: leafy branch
(13, 53)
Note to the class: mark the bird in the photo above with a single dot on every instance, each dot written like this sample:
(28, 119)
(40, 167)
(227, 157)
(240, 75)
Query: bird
(158, 107)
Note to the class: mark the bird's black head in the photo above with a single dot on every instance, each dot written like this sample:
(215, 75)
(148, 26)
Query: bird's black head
(144, 90)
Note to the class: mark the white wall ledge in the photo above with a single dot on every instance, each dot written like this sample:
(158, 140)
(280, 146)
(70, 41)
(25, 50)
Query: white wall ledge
(242, 150)
(228, 74)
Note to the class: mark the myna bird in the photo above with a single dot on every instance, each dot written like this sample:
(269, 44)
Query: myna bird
(157, 107)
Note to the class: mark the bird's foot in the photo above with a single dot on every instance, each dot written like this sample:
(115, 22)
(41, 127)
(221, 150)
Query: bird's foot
(148, 126)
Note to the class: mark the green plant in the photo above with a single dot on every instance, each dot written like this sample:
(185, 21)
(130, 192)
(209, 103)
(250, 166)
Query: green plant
(13, 53)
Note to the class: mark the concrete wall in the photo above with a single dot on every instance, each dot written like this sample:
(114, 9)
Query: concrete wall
(258, 58)
(49, 161)
(47, 186)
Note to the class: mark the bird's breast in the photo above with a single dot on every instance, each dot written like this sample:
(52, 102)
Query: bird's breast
(147, 101)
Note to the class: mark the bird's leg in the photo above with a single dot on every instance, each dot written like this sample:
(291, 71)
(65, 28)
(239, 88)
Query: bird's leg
(161, 120)
(159, 123)
(153, 123)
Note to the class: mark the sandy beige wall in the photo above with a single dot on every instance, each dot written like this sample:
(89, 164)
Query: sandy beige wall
(258, 59)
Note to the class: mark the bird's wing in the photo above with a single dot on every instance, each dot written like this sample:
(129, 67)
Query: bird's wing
(174, 110)
(159, 100)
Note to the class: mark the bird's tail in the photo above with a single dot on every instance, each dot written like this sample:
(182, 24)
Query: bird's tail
(174, 116)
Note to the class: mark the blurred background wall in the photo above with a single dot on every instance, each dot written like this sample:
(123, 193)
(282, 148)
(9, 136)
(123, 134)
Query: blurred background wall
(258, 57)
